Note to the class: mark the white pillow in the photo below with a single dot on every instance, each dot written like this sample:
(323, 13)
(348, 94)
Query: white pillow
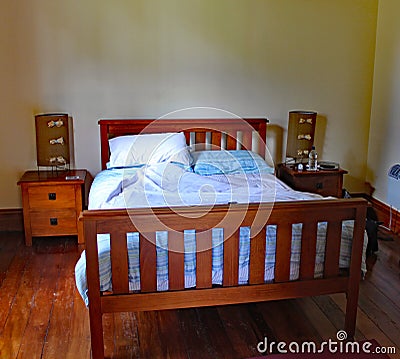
(136, 150)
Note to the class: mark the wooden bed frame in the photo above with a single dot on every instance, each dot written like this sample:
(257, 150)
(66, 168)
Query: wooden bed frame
(281, 214)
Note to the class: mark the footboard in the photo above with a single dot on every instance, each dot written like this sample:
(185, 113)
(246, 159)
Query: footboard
(257, 217)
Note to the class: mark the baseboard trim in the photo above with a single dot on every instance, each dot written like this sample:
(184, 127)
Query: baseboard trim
(11, 220)
(383, 212)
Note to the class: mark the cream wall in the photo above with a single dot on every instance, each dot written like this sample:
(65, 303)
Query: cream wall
(384, 142)
(144, 58)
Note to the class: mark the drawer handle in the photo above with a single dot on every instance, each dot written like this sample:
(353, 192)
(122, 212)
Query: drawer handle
(53, 221)
(52, 196)
(319, 185)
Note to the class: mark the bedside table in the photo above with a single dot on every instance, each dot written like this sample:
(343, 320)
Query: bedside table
(52, 202)
(323, 182)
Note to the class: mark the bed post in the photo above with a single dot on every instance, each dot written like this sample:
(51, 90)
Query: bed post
(93, 281)
(355, 273)
(105, 152)
(263, 135)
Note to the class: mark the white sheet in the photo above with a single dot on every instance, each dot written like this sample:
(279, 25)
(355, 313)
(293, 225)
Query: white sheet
(167, 184)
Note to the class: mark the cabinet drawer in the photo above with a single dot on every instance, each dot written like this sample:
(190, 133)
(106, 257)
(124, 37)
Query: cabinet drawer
(324, 185)
(51, 196)
(53, 222)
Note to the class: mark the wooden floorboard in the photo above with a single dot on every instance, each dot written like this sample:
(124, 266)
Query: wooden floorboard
(43, 316)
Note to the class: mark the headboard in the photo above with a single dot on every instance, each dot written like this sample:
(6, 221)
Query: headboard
(221, 133)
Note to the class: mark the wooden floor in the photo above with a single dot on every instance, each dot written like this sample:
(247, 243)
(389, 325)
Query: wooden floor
(42, 315)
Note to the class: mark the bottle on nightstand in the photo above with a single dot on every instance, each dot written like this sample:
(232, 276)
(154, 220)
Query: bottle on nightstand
(312, 160)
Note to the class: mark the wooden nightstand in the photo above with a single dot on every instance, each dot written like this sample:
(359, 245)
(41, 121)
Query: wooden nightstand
(323, 182)
(52, 202)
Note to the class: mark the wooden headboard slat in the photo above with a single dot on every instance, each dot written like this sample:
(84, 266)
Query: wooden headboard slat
(232, 126)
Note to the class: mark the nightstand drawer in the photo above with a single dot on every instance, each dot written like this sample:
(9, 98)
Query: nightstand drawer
(62, 196)
(323, 185)
(53, 222)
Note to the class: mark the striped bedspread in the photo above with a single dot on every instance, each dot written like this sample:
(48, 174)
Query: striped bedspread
(217, 257)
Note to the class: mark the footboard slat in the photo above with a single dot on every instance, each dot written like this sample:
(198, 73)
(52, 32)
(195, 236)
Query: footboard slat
(187, 136)
(332, 249)
(204, 259)
(231, 260)
(308, 250)
(257, 258)
(176, 258)
(119, 262)
(200, 141)
(216, 141)
(231, 140)
(246, 140)
(283, 252)
(148, 262)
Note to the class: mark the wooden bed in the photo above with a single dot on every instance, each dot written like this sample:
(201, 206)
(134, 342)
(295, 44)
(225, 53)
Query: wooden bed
(283, 214)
